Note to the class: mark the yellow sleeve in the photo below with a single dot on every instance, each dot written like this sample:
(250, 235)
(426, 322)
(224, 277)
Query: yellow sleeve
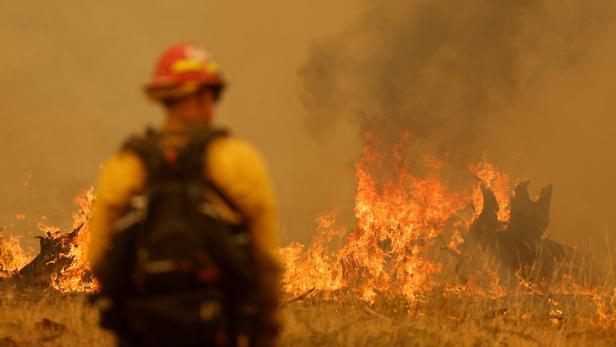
(237, 169)
(121, 178)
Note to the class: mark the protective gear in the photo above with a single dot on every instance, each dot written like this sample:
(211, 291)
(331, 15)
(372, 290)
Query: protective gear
(236, 168)
(182, 70)
(180, 271)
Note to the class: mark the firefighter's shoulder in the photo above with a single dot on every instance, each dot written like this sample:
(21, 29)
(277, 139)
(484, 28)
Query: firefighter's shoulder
(236, 157)
(238, 168)
(121, 176)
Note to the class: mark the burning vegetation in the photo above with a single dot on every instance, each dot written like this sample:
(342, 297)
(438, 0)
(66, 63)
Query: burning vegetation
(414, 236)
(62, 260)
(418, 247)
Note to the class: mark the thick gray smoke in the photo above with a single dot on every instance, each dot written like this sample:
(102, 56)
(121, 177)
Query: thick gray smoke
(449, 71)
(525, 84)
(531, 80)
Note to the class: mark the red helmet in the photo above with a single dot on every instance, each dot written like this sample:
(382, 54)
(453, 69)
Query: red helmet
(182, 70)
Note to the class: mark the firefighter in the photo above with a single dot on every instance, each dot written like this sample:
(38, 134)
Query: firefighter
(188, 83)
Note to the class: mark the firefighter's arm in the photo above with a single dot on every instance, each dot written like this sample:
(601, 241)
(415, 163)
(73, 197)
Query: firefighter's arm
(239, 171)
(122, 177)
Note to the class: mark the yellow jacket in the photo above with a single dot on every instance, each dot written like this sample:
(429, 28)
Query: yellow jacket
(233, 165)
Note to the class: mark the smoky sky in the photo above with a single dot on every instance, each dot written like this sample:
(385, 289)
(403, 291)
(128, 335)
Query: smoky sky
(529, 83)
(71, 77)
(445, 70)
(526, 85)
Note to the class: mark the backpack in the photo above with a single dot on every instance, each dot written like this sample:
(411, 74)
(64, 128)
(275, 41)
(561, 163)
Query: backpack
(176, 272)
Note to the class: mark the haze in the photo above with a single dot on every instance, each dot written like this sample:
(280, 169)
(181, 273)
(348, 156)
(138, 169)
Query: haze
(528, 85)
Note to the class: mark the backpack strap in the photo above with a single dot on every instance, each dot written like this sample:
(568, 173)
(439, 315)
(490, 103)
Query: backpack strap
(197, 164)
(147, 147)
(192, 156)
(187, 163)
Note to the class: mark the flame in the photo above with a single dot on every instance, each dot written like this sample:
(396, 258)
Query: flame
(74, 277)
(312, 267)
(399, 220)
(78, 275)
(12, 256)
(408, 229)
(498, 182)
(393, 251)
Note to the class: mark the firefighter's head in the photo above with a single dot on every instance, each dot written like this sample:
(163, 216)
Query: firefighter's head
(187, 82)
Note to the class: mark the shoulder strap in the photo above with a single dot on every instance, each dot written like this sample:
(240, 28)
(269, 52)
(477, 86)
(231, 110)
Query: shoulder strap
(197, 164)
(189, 163)
(192, 156)
(147, 147)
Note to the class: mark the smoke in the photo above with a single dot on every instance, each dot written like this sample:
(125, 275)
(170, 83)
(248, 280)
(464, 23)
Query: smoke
(449, 71)
(525, 84)
(528, 82)
(70, 92)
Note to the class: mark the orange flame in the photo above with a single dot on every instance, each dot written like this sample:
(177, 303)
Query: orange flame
(498, 182)
(403, 222)
(399, 221)
(78, 275)
(12, 256)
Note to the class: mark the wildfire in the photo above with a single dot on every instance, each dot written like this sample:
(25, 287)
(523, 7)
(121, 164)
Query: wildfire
(409, 228)
(400, 222)
(498, 182)
(78, 275)
(72, 271)
(409, 233)
(12, 256)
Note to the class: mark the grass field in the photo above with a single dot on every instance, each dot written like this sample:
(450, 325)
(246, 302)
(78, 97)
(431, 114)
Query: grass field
(50, 319)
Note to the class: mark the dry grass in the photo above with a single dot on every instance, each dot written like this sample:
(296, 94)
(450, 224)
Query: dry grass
(48, 319)
(555, 312)
(489, 323)
(60, 320)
